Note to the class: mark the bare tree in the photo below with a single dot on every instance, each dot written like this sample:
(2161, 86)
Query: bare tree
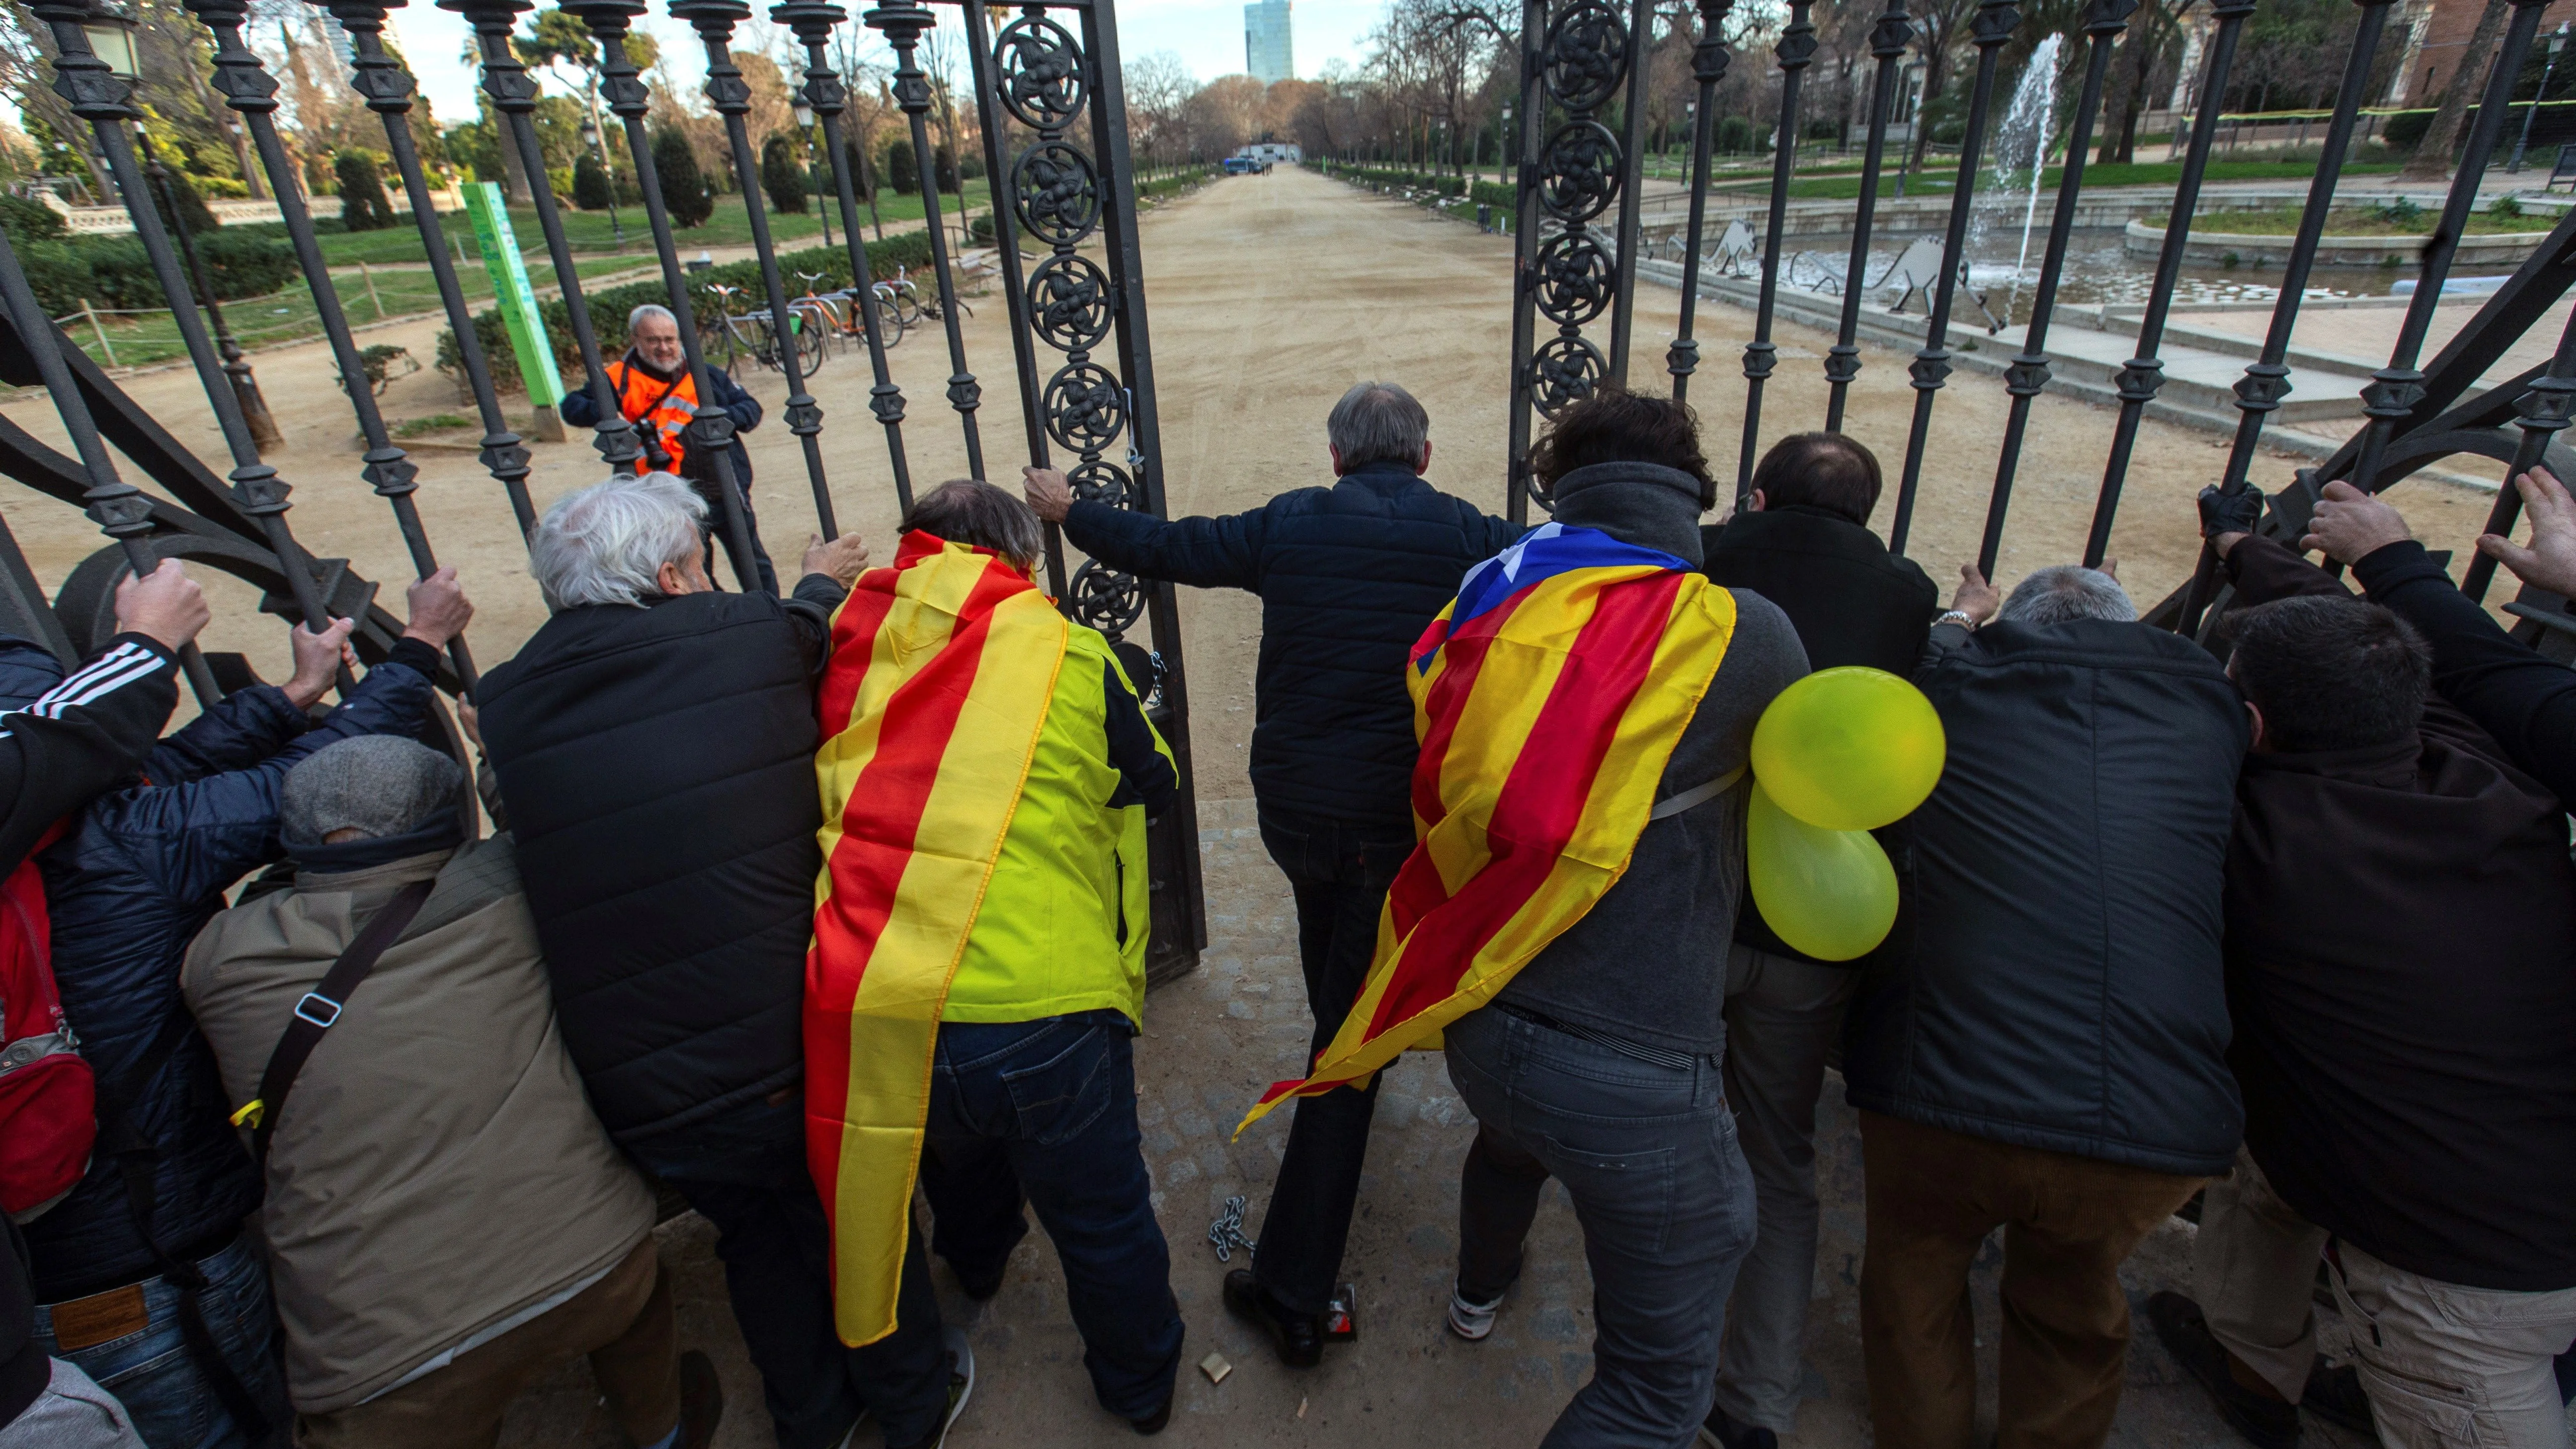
(2432, 158)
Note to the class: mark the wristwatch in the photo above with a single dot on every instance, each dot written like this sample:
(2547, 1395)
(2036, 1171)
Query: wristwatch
(1966, 620)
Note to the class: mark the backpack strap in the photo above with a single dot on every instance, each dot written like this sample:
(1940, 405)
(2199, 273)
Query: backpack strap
(1696, 796)
(318, 1008)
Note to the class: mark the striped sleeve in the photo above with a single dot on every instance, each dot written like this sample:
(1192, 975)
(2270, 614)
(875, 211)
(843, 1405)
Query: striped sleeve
(85, 736)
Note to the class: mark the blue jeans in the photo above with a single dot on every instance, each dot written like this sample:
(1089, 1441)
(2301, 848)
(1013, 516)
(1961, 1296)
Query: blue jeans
(745, 1172)
(1648, 1153)
(171, 1401)
(1048, 1108)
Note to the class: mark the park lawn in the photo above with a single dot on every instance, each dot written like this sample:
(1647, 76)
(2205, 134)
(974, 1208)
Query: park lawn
(590, 231)
(2353, 221)
(291, 314)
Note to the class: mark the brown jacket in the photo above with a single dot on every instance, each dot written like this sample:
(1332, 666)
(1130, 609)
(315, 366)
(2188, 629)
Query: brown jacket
(437, 1170)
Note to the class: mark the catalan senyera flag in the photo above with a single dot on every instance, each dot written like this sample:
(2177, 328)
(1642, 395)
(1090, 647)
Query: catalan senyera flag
(941, 672)
(1541, 750)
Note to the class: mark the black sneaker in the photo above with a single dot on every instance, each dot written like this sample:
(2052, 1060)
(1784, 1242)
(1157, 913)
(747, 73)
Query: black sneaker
(1155, 1422)
(1725, 1433)
(2334, 1395)
(1299, 1337)
(2266, 1423)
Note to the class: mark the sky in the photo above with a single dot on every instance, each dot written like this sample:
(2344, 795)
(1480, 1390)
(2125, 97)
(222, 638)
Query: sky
(1206, 34)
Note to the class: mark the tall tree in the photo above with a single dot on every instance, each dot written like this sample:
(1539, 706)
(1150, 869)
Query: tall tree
(2432, 158)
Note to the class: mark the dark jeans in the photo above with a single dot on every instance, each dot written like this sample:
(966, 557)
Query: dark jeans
(163, 1387)
(1340, 872)
(1648, 1153)
(1047, 1108)
(745, 1172)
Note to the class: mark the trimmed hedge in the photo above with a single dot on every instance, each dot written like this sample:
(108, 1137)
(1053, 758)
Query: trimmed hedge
(115, 271)
(2402, 130)
(609, 305)
(1499, 195)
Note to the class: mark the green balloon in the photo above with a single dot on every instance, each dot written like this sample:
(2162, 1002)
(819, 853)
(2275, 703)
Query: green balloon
(1830, 893)
(1849, 749)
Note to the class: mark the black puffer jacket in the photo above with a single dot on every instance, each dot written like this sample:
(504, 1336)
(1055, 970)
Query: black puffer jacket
(143, 870)
(2054, 979)
(658, 767)
(1349, 576)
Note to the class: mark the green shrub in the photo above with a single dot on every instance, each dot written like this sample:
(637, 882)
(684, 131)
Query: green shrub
(684, 188)
(27, 221)
(609, 306)
(246, 264)
(2505, 205)
(1734, 134)
(59, 273)
(171, 191)
(2405, 128)
(782, 175)
(945, 171)
(902, 168)
(590, 190)
(363, 206)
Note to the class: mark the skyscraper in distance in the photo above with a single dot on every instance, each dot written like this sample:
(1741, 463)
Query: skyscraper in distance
(1268, 54)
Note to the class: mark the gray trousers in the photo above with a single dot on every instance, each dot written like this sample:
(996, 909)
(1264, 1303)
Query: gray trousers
(1647, 1152)
(1781, 1019)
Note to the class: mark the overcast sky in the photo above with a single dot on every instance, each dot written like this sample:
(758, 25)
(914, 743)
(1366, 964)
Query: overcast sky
(1206, 34)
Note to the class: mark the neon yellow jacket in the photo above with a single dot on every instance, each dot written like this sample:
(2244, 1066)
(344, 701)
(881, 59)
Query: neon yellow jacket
(1063, 924)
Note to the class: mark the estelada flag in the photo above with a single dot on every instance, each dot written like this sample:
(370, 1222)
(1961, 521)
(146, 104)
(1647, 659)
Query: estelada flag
(1548, 698)
(941, 672)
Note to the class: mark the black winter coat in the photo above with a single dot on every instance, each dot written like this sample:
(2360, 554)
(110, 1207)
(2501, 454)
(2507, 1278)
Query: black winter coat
(128, 889)
(1851, 601)
(658, 767)
(1349, 577)
(2054, 978)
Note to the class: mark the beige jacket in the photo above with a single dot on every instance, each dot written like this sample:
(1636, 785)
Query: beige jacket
(437, 1171)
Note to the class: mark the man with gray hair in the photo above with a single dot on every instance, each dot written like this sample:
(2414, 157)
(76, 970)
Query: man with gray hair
(1348, 577)
(2041, 1043)
(334, 1007)
(654, 744)
(657, 393)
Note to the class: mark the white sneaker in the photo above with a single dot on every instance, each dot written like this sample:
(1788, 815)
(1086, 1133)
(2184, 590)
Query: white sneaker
(1472, 1321)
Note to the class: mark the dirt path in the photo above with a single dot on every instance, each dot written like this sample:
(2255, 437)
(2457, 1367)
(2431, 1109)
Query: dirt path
(1269, 297)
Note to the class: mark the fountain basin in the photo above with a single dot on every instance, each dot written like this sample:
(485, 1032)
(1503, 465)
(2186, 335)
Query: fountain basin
(2247, 249)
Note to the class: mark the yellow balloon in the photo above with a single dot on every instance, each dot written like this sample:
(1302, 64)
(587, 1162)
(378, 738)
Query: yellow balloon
(1849, 749)
(1830, 893)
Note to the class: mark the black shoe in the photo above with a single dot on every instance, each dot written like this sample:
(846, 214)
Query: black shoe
(1299, 1337)
(2334, 1395)
(2266, 1423)
(961, 1387)
(1725, 1433)
(982, 1289)
(701, 1400)
(1155, 1422)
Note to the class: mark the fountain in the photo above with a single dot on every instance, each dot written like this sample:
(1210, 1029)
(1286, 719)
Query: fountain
(2020, 150)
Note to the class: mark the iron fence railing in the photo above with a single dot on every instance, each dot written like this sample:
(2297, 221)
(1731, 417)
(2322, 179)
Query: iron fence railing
(1053, 71)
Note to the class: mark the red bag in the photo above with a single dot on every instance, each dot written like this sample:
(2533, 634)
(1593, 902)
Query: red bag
(48, 1099)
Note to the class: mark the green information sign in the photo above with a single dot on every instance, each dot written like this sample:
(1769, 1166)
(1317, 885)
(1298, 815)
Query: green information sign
(518, 300)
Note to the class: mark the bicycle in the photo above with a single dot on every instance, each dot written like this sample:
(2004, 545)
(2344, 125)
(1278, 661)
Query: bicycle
(836, 314)
(755, 334)
(915, 306)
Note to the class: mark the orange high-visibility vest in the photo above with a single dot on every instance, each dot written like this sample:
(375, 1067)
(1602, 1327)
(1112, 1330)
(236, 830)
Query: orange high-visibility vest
(657, 408)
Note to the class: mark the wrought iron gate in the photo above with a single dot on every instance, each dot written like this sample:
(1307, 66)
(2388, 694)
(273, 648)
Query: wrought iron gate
(1063, 177)
(1578, 58)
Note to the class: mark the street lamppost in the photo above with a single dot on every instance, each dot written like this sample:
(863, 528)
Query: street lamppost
(813, 177)
(1503, 156)
(607, 172)
(254, 407)
(2557, 42)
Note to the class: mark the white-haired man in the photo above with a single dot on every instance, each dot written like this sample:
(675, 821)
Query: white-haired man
(654, 744)
(656, 392)
(2041, 1044)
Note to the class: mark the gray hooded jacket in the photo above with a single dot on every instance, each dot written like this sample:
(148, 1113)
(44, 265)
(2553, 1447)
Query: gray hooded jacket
(1648, 963)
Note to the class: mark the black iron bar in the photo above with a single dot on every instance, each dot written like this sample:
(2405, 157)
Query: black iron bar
(990, 113)
(712, 428)
(121, 510)
(1145, 445)
(2267, 378)
(255, 485)
(1994, 24)
(813, 21)
(2394, 390)
(1525, 243)
(514, 95)
(1796, 49)
(1709, 59)
(903, 24)
(250, 92)
(1887, 41)
(389, 90)
(714, 21)
(2143, 375)
(1632, 171)
(2027, 376)
(238, 378)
